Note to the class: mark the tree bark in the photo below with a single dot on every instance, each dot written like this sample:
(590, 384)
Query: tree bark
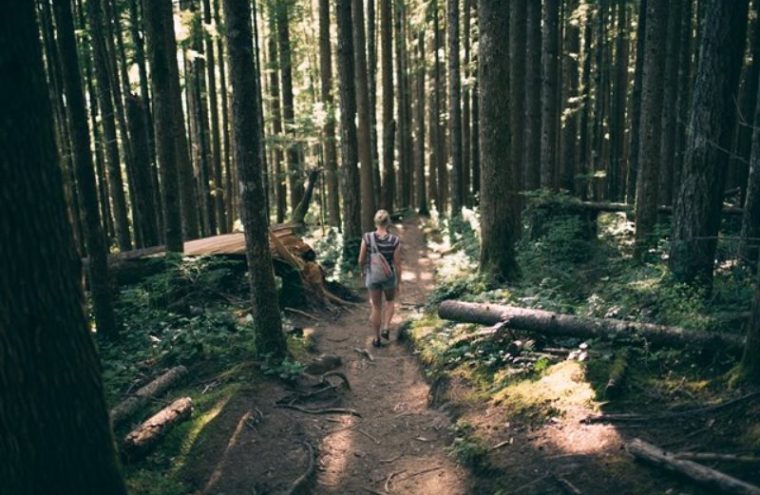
(455, 108)
(466, 109)
(584, 165)
(441, 173)
(245, 104)
(422, 203)
(556, 324)
(331, 154)
(475, 130)
(157, 15)
(532, 136)
(389, 125)
(635, 136)
(549, 113)
(669, 105)
(372, 86)
(498, 196)
(402, 123)
(684, 90)
(571, 58)
(618, 161)
(129, 406)
(366, 175)
(143, 208)
(750, 233)
(651, 124)
(54, 430)
(697, 208)
(517, 82)
(349, 153)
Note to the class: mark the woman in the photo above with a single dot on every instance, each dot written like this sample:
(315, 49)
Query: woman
(388, 245)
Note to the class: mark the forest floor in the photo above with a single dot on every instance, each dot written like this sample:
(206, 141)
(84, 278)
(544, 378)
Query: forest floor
(435, 415)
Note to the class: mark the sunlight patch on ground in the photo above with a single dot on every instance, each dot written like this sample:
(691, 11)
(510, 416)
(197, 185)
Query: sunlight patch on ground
(219, 469)
(337, 447)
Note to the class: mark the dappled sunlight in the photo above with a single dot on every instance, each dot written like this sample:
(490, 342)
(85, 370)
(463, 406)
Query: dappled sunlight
(219, 469)
(336, 451)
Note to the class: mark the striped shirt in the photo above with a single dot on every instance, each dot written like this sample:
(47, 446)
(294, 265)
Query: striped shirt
(386, 245)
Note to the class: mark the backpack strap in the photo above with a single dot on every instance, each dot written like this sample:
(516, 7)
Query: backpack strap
(372, 243)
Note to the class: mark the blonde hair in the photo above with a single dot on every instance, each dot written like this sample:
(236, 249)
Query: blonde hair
(382, 218)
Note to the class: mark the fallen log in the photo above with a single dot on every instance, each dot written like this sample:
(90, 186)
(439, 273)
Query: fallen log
(713, 457)
(143, 438)
(698, 473)
(618, 373)
(558, 324)
(130, 405)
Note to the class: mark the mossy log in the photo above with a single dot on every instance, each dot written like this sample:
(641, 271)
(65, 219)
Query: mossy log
(143, 438)
(130, 405)
(703, 475)
(558, 324)
(618, 373)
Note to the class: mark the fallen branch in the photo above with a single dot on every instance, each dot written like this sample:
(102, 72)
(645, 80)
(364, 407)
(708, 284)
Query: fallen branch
(424, 471)
(501, 444)
(556, 324)
(300, 485)
(710, 456)
(636, 418)
(388, 461)
(140, 440)
(328, 410)
(566, 485)
(698, 473)
(618, 373)
(377, 442)
(390, 477)
(301, 313)
(129, 406)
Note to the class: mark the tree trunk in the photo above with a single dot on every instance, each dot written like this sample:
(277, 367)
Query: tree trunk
(455, 108)
(372, 86)
(651, 124)
(532, 137)
(362, 99)
(158, 16)
(331, 154)
(402, 183)
(669, 108)
(475, 130)
(115, 180)
(422, 203)
(556, 324)
(295, 171)
(389, 125)
(225, 131)
(601, 94)
(280, 187)
(53, 417)
(616, 182)
(349, 153)
(684, 90)
(569, 140)
(498, 196)
(635, 138)
(584, 152)
(245, 104)
(466, 112)
(697, 208)
(750, 233)
(517, 87)
(441, 175)
(96, 246)
(549, 113)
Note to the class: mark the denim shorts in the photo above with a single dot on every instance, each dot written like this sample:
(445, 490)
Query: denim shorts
(387, 285)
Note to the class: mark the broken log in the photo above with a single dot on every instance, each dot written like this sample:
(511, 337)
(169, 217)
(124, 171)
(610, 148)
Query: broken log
(130, 405)
(698, 473)
(618, 373)
(143, 438)
(558, 324)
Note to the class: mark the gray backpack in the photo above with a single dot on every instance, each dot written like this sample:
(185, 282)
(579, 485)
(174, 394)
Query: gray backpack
(379, 270)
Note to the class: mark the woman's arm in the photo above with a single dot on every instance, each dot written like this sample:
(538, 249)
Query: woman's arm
(397, 263)
(362, 255)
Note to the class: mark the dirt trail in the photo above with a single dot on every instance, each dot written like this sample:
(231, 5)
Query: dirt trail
(397, 446)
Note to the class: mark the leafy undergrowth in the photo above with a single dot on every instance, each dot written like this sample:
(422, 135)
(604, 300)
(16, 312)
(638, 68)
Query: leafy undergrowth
(196, 313)
(540, 386)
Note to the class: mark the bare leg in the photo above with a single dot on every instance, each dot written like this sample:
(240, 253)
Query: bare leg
(375, 316)
(389, 307)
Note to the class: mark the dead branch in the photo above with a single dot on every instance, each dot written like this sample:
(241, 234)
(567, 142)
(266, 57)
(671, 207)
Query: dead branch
(377, 442)
(566, 485)
(389, 478)
(711, 456)
(328, 410)
(143, 438)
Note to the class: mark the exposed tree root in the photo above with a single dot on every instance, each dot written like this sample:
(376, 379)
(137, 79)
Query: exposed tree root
(328, 410)
(301, 484)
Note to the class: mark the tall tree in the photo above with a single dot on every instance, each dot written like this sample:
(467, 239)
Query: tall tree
(475, 130)
(651, 123)
(349, 153)
(570, 74)
(616, 182)
(54, 429)
(229, 197)
(532, 152)
(248, 153)
(80, 135)
(389, 125)
(422, 204)
(161, 56)
(498, 196)
(279, 179)
(518, 24)
(549, 76)
(372, 87)
(455, 108)
(404, 131)
(748, 245)
(698, 206)
(295, 172)
(102, 73)
(635, 135)
(330, 151)
(684, 88)
(362, 99)
(669, 105)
